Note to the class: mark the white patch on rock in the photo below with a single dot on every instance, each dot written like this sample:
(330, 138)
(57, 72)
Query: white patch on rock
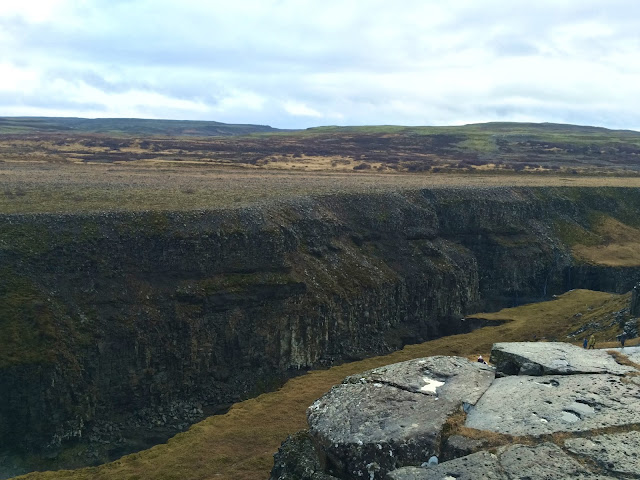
(430, 385)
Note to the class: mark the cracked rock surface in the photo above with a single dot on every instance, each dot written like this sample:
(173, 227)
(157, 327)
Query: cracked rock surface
(557, 403)
(545, 461)
(393, 416)
(618, 453)
(391, 422)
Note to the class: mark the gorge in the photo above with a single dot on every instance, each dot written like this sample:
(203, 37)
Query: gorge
(123, 328)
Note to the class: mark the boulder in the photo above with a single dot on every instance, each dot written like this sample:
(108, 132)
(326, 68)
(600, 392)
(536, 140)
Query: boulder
(551, 358)
(298, 459)
(546, 461)
(557, 403)
(393, 416)
(616, 453)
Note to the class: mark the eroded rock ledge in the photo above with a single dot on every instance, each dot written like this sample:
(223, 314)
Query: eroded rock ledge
(545, 411)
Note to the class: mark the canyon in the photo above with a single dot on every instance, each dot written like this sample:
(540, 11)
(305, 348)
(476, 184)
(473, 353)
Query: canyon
(122, 328)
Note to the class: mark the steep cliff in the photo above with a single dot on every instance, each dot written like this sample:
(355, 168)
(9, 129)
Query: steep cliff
(117, 326)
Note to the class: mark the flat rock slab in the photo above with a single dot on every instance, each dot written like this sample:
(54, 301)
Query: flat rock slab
(545, 461)
(616, 453)
(455, 378)
(552, 358)
(393, 416)
(480, 465)
(632, 353)
(526, 405)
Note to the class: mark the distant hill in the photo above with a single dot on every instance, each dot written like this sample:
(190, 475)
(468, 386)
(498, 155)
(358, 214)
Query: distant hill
(128, 126)
(498, 128)
(496, 147)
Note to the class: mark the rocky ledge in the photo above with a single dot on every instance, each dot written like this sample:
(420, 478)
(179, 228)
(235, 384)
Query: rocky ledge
(545, 411)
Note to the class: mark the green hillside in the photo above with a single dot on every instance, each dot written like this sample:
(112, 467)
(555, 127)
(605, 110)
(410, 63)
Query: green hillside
(126, 126)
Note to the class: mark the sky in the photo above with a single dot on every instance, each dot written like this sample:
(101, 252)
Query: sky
(305, 63)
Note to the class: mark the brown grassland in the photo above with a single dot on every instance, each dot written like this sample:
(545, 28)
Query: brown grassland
(240, 444)
(51, 170)
(36, 187)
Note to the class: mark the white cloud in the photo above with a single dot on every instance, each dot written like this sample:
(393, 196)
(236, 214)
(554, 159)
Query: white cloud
(299, 109)
(31, 10)
(298, 63)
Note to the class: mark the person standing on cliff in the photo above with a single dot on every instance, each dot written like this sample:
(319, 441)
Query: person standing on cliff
(592, 341)
(622, 337)
(585, 342)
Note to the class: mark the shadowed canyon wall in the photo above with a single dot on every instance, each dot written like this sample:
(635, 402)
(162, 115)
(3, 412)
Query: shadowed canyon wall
(113, 324)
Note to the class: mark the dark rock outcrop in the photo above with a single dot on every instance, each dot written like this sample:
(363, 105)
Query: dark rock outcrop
(298, 459)
(120, 329)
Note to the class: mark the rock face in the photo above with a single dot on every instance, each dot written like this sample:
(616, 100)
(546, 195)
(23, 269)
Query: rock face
(393, 416)
(388, 423)
(116, 327)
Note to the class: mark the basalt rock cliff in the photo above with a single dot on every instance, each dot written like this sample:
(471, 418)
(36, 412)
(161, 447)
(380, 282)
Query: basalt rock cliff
(121, 327)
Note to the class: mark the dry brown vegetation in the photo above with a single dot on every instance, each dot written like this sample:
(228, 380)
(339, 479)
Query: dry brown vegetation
(31, 187)
(241, 443)
(69, 171)
(617, 246)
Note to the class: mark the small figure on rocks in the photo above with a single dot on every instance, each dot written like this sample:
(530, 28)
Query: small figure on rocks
(481, 360)
(621, 338)
(592, 341)
(585, 342)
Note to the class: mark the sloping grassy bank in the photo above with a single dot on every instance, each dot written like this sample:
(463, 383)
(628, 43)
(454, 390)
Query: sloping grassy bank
(240, 444)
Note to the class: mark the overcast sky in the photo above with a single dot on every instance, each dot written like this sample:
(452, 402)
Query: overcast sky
(302, 63)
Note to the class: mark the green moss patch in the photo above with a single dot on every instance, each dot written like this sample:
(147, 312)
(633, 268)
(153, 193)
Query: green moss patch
(27, 327)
